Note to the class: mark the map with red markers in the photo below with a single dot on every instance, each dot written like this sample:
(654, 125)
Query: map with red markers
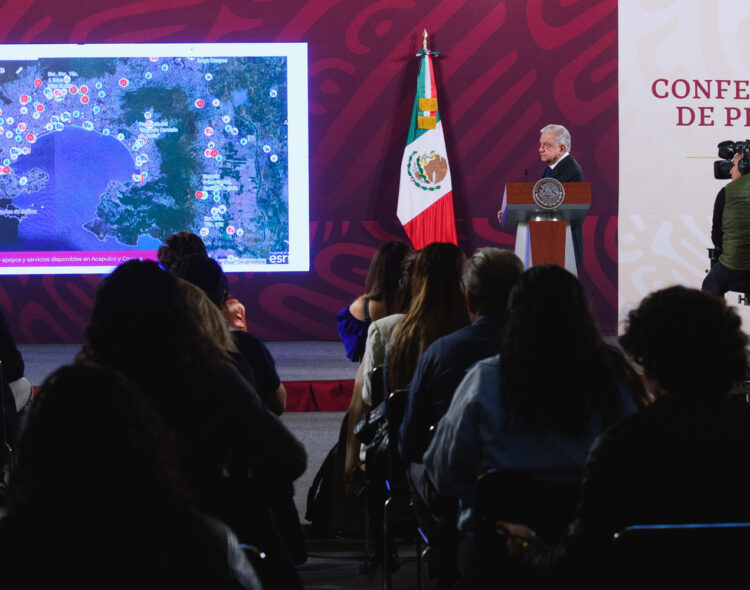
(113, 154)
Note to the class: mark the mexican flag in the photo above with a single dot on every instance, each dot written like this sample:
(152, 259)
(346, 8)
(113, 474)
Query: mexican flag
(425, 198)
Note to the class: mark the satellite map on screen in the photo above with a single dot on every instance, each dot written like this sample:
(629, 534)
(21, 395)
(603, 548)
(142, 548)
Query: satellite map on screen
(103, 157)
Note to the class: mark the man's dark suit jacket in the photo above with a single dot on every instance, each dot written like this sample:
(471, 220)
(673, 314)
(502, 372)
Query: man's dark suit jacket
(568, 170)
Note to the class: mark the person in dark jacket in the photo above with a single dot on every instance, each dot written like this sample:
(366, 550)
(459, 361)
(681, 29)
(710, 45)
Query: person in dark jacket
(683, 459)
(488, 277)
(96, 500)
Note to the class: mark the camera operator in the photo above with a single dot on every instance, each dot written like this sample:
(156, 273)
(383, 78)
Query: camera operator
(730, 231)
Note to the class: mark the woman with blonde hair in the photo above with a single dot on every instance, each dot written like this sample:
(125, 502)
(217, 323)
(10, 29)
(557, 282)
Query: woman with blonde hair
(208, 319)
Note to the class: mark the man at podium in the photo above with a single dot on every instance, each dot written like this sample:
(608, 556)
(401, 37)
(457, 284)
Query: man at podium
(554, 150)
(521, 208)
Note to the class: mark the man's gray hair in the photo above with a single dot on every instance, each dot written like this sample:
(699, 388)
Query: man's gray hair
(489, 274)
(562, 136)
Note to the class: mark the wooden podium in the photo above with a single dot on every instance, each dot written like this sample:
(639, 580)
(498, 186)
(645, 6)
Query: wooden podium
(543, 235)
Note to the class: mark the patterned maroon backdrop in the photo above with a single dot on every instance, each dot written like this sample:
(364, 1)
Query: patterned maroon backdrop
(506, 69)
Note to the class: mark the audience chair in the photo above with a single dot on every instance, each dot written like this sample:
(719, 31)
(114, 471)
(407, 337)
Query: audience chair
(423, 556)
(740, 287)
(544, 502)
(397, 515)
(256, 557)
(7, 452)
(436, 516)
(709, 555)
(377, 386)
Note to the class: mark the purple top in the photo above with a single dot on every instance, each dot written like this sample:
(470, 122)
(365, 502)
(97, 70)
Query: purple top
(353, 332)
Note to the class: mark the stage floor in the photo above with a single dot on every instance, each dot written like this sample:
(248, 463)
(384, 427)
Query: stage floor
(295, 361)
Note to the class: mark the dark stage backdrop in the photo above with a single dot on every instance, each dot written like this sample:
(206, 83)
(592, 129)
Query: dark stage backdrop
(506, 69)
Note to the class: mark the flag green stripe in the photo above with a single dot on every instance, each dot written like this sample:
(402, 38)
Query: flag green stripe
(414, 131)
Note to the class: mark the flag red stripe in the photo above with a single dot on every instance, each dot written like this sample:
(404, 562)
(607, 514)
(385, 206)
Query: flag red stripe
(433, 87)
(434, 224)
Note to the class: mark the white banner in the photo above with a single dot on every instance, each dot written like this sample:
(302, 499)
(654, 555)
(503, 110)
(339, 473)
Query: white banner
(684, 83)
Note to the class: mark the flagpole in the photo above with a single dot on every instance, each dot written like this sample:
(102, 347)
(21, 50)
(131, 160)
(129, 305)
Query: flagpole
(424, 51)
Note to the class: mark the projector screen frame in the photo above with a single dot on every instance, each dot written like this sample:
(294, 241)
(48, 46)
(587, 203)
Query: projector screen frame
(296, 258)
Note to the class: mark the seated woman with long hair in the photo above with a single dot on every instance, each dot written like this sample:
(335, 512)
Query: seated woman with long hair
(96, 500)
(378, 300)
(437, 308)
(536, 407)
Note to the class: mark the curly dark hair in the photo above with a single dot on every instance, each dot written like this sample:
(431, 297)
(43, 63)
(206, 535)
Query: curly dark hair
(689, 341)
(555, 368)
(205, 273)
(178, 246)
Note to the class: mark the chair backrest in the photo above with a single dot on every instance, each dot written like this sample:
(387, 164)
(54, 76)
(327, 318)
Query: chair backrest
(395, 409)
(8, 427)
(377, 386)
(713, 555)
(544, 502)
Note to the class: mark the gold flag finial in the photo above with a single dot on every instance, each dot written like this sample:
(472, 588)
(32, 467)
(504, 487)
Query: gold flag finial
(424, 40)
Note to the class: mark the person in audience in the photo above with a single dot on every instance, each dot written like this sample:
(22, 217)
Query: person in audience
(380, 331)
(378, 300)
(15, 395)
(378, 338)
(488, 277)
(238, 458)
(437, 308)
(378, 335)
(178, 246)
(684, 458)
(208, 275)
(96, 501)
(212, 326)
(536, 407)
(382, 296)
(13, 368)
(185, 243)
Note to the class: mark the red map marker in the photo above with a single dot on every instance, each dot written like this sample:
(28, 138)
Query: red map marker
(200, 103)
